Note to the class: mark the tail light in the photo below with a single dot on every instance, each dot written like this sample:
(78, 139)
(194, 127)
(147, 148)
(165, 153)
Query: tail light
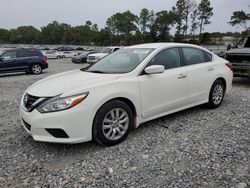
(230, 66)
(44, 59)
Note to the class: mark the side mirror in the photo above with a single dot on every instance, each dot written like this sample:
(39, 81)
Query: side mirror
(154, 69)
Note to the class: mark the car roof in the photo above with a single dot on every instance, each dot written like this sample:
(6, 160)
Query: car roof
(163, 45)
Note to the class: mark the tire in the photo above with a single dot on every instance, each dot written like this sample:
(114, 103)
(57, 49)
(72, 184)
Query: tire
(63, 56)
(216, 94)
(106, 123)
(36, 69)
(58, 57)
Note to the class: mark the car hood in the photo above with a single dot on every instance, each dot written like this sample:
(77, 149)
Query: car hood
(98, 55)
(67, 82)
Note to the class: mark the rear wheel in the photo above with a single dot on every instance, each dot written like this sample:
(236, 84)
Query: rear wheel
(216, 94)
(36, 69)
(112, 123)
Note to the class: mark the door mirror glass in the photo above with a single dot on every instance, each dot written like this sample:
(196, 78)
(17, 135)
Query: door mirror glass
(155, 69)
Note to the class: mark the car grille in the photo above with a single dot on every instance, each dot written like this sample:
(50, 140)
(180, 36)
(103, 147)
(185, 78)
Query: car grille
(29, 100)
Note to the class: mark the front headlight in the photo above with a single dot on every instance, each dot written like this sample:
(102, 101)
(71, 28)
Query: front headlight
(58, 104)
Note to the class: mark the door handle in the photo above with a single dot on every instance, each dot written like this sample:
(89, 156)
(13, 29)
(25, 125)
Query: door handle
(181, 76)
(210, 69)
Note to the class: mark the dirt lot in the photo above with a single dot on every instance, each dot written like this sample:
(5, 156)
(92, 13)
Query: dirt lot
(193, 148)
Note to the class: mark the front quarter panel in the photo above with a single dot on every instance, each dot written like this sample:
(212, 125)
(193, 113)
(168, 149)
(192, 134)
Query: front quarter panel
(121, 88)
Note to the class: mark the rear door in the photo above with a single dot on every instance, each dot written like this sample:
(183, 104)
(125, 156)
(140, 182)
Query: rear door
(8, 61)
(24, 58)
(200, 72)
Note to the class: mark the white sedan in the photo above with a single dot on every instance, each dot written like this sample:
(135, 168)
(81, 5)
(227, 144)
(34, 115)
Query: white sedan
(131, 86)
(51, 54)
(66, 54)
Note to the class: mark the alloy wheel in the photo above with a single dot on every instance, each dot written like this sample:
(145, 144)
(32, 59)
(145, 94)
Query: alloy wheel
(217, 94)
(115, 124)
(36, 69)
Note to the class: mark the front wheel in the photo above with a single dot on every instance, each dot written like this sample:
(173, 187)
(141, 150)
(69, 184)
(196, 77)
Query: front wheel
(112, 123)
(36, 69)
(216, 94)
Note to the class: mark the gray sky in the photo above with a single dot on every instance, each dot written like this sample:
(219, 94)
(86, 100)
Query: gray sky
(14, 13)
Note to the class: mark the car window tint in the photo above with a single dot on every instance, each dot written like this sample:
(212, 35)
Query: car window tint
(209, 56)
(21, 54)
(169, 58)
(193, 56)
(8, 55)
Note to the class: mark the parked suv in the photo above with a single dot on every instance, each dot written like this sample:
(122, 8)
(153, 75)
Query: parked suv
(18, 60)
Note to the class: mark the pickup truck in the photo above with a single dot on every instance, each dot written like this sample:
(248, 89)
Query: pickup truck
(239, 56)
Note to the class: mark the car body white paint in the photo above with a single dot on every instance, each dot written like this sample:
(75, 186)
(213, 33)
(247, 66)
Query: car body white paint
(153, 95)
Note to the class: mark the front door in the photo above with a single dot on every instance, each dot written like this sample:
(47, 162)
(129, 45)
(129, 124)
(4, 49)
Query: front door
(8, 61)
(167, 91)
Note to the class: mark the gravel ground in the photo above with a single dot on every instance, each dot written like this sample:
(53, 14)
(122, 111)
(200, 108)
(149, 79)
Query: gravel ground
(193, 148)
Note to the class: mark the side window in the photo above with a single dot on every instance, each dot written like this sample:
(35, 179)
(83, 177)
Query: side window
(169, 58)
(193, 56)
(8, 55)
(208, 56)
(21, 54)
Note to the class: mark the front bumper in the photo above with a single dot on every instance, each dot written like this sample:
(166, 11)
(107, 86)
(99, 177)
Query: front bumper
(75, 122)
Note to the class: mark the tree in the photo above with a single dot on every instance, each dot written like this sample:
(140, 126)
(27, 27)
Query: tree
(144, 20)
(205, 12)
(123, 24)
(161, 27)
(194, 22)
(4, 36)
(190, 5)
(179, 16)
(52, 33)
(240, 18)
(25, 35)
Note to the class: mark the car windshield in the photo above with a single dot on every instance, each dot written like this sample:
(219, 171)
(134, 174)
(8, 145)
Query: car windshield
(106, 50)
(122, 61)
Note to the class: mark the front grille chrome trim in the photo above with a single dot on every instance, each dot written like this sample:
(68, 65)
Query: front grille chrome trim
(33, 101)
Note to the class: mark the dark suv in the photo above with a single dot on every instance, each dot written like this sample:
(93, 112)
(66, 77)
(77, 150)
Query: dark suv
(18, 60)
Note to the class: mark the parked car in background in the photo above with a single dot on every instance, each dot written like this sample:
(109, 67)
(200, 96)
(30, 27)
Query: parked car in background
(239, 56)
(82, 58)
(20, 60)
(93, 58)
(65, 48)
(51, 54)
(66, 54)
(123, 90)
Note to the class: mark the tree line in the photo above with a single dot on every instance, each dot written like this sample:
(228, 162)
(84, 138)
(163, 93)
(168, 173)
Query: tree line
(187, 18)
